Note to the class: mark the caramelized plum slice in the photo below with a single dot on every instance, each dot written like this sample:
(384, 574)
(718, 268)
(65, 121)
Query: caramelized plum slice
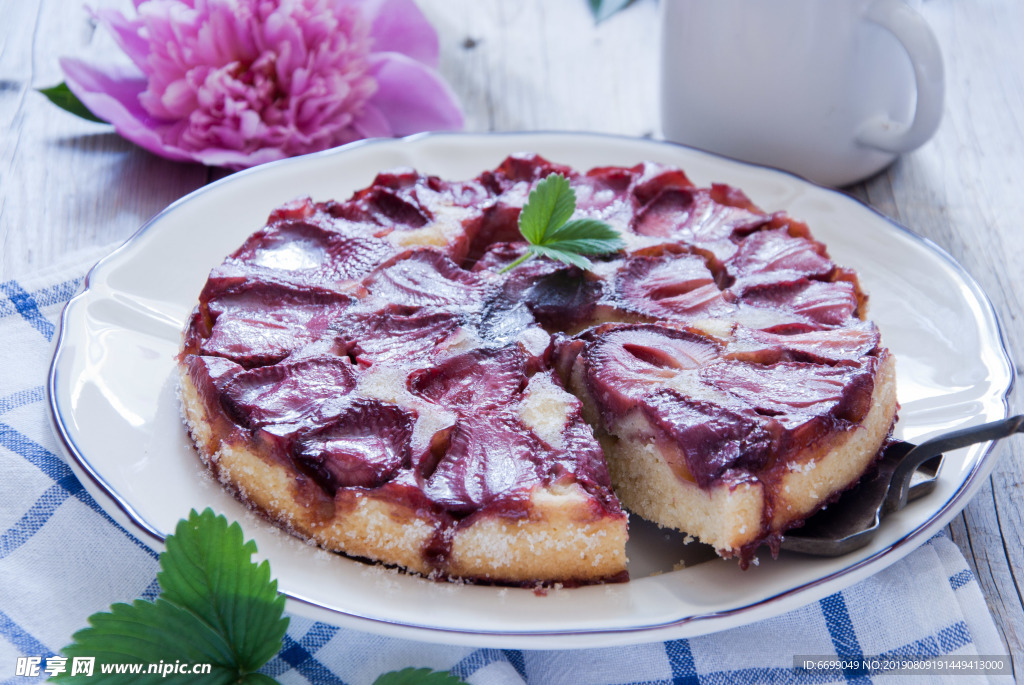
(387, 205)
(627, 363)
(491, 457)
(306, 252)
(426, 278)
(557, 295)
(711, 438)
(297, 209)
(653, 179)
(498, 223)
(613, 193)
(410, 209)
(581, 456)
(670, 286)
(291, 395)
(734, 197)
(520, 168)
(502, 322)
(499, 255)
(262, 325)
(210, 374)
(777, 251)
(824, 303)
(690, 215)
(831, 304)
(234, 278)
(477, 379)
(828, 346)
(605, 192)
(363, 447)
(395, 333)
(797, 391)
(509, 187)
(563, 299)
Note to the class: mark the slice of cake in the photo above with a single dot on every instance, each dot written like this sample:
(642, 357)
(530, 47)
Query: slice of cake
(726, 443)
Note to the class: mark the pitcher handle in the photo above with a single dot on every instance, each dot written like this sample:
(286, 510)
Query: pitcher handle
(919, 41)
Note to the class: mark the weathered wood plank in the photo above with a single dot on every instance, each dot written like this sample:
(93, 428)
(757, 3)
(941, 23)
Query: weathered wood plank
(962, 191)
(67, 183)
(536, 65)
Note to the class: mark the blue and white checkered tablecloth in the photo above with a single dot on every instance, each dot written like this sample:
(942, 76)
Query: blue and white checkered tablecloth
(62, 558)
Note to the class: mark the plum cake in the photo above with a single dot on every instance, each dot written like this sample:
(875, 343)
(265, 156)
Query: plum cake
(371, 376)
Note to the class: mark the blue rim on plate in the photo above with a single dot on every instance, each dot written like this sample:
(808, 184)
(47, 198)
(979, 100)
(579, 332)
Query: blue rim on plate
(130, 309)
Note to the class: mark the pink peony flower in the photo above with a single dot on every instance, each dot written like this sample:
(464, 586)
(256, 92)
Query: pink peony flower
(237, 83)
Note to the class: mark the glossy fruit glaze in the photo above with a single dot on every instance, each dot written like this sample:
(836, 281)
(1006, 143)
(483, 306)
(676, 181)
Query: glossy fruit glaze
(373, 344)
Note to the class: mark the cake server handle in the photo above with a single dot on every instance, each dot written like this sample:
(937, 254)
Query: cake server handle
(900, 485)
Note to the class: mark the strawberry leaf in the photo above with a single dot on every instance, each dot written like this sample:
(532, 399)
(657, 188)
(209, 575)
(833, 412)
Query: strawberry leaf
(148, 633)
(216, 607)
(418, 676)
(585, 236)
(544, 222)
(549, 206)
(570, 258)
(207, 570)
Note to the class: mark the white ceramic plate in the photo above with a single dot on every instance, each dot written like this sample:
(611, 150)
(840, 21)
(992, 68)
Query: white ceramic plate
(113, 399)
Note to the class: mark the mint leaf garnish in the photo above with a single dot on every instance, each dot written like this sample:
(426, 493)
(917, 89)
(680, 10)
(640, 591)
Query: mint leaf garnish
(544, 223)
(418, 676)
(62, 96)
(215, 607)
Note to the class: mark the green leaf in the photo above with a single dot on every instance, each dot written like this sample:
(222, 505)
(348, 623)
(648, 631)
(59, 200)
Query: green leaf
(215, 607)
(544, 223)
(62, 96)
(146, 633)
(418, 676)
(603, 9)
(549, 206)
(586, 236)
(207, 569)
(569, 258)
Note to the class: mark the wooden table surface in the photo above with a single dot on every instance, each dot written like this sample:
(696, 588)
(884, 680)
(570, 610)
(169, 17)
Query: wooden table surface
(543, 65)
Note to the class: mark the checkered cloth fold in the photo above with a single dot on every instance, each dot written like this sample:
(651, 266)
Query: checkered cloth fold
(62, 558)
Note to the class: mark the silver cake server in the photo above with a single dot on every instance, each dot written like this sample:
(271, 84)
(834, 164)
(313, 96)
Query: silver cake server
(904, 472)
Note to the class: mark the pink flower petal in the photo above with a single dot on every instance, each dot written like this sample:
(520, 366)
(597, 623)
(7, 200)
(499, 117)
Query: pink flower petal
(241, 82)
(112, 94)
(413, 97)
(372, 123)
(127, 34)
(399, 26)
